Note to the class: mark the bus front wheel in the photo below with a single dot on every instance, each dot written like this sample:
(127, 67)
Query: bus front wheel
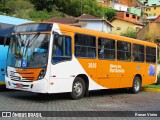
(78, 88)
(136, 85)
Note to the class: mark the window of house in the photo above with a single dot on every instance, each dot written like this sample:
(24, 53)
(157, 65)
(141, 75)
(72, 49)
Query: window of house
(138, 53)
(85, 46)
(124, 51)
(133, 16)
(118, 28)
(106, 48)
(150, 54)
(148, 9)
(127, 15)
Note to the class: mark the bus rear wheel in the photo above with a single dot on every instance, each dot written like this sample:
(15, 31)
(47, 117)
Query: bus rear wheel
(136, 87)
(78, 88)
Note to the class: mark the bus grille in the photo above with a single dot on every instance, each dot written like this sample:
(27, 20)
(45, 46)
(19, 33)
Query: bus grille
(21, 79)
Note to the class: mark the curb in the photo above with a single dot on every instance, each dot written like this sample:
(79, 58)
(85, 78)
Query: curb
(151, 89)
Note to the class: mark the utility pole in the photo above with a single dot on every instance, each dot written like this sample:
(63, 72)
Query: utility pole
(81, 7)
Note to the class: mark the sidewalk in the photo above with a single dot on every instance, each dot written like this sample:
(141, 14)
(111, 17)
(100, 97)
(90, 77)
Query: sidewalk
(151, 89)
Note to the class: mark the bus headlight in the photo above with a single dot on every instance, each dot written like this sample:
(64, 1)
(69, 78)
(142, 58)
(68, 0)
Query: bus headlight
(42, 74)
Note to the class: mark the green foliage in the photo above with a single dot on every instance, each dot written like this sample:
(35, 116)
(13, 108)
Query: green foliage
(130, 32)
(43, 4)
(75, 7)
(153, 86)
(150, 37)
(39, 15)
(158, 75)
(19, 8)
(39, 10)
(110, 13)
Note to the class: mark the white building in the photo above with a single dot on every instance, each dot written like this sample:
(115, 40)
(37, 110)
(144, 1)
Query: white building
(86, 21)
(93, 23)
(119, 7)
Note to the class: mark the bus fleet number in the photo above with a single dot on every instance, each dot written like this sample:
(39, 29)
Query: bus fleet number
(92, 65)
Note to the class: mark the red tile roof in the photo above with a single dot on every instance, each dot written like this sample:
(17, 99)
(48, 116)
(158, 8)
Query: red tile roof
(69, 20)
(157, 19)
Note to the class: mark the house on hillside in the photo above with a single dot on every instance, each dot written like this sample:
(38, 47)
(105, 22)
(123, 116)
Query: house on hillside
(121, 25)
(135, 10)
(150, 32)
(94, 23)
(130, 3)
(151, 2)
(119, 7)
(131, 6)
(104, 3)
(151, 9)
(127, 16)
(86, 21)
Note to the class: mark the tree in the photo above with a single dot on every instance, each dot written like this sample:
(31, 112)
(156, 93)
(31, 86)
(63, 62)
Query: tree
(19, 8)
(43, 4)
(150, 36)
(75, 7)
(110, 13)
(39, 15)
(3, 7)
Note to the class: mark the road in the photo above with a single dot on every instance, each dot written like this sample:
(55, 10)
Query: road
(106, 100)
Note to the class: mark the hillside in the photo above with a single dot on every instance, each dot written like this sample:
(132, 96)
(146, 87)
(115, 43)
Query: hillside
(39, 10)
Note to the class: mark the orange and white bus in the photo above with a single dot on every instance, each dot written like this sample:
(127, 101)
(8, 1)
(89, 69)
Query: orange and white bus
(56, 58)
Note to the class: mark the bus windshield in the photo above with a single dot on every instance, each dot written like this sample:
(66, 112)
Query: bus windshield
(28, 50)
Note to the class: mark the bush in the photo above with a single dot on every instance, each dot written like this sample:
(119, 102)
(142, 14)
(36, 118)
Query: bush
(130, 32)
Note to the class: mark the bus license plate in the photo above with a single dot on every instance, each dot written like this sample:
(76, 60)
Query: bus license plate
(19, 85)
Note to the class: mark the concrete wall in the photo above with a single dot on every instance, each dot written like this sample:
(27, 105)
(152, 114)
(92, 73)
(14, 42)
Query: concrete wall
(142, 32)
(150, 28)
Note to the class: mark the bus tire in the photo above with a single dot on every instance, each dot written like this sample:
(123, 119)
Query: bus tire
(136, 87)
(78, 88)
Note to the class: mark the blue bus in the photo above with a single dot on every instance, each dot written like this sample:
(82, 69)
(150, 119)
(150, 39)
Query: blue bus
(3, 57)
(7, 24)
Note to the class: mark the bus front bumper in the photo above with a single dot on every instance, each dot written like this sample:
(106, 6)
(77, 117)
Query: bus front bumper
(39, 86)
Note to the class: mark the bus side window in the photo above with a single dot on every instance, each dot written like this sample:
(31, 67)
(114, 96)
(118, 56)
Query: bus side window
(61, 49)
(85, 46)
(124, 51)
(150, 54)
(138, 53)
(106, 48)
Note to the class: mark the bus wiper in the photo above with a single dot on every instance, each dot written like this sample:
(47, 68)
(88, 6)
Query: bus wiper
(19, 39)
(32, 41)
(34, 38)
